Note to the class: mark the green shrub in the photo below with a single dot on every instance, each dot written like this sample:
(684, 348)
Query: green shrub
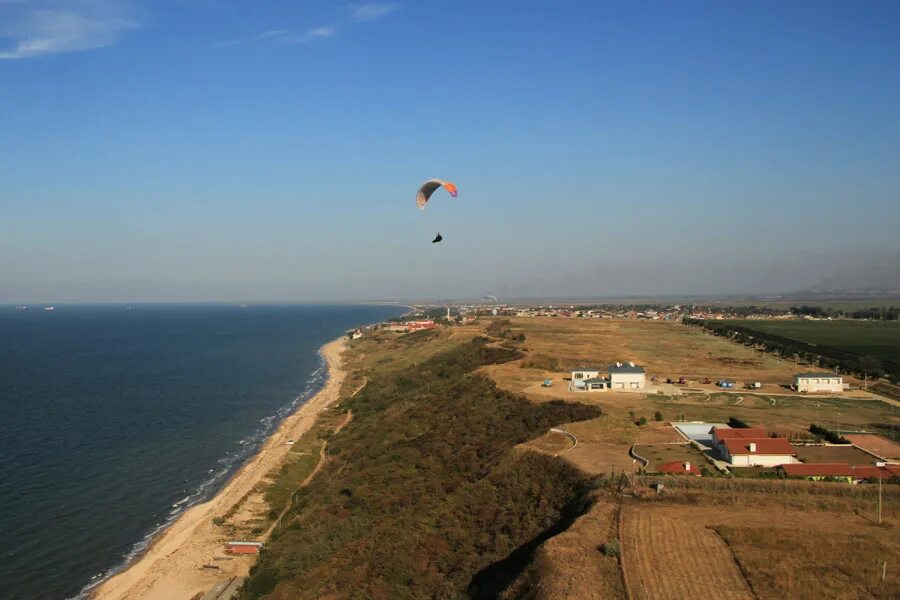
(611, 548)
(422, 492)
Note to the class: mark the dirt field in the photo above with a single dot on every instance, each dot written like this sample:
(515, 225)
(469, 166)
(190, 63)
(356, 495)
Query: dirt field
(666, 349)
(878, 444)
(665, 557)
(790, 541)
(834, 454)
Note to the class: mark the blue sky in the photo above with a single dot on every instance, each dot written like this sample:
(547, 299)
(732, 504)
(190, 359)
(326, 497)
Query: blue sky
(237, 150)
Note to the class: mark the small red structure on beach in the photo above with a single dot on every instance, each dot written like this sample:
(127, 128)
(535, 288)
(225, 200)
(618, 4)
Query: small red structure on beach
(243, 547)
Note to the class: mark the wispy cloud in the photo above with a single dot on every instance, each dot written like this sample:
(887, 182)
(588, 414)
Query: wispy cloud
(32, 29)
(358, 13)
(372, 11)
(284, 36)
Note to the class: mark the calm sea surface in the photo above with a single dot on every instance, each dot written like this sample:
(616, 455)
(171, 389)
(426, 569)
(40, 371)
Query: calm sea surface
(114, 421)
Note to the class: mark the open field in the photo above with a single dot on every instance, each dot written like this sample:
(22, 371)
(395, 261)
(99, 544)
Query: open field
(880, 339)
(790, 541)
(666, 349)
(878, 444)
(671, 557)
(834, 454)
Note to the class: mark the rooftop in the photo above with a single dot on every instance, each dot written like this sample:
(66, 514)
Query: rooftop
(625, 368)
(840, 470)
(738, 432)
(764, 446)
(817, 374)
(677, 468)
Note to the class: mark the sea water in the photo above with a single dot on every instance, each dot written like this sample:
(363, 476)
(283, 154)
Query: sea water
(114, 419)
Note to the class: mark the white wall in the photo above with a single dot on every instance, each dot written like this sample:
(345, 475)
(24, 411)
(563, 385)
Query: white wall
(819, 384)
(760, 460)
(628, 381)
(585, 375)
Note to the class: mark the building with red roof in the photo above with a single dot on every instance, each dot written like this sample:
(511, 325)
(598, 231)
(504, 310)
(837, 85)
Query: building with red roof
(844, 471)
(751, 447)
(678, 468)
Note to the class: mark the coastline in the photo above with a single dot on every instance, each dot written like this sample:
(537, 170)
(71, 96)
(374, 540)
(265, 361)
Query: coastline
(172, 566)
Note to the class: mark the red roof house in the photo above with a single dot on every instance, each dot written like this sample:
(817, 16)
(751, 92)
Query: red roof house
(678, 468)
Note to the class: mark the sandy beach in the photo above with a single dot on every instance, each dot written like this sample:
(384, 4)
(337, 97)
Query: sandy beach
(173, 567)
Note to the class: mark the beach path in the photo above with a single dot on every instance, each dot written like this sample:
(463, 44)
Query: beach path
(173, 566)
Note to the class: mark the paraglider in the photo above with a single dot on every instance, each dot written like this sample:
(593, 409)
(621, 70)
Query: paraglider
(425, 192)
(429, 187)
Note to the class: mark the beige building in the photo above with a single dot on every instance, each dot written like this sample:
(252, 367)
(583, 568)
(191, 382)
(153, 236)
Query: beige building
(818, 382)
(627, 376)
(622, 376)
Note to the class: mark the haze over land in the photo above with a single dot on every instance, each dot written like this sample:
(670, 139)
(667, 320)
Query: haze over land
(270, 151)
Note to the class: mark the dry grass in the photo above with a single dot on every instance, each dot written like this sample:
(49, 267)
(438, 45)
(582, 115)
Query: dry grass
(790, 539)
(665, 557)
(667, 349)
(878, 444)
(553, 443)
(821, 564)
(570, 565)
(834, 454)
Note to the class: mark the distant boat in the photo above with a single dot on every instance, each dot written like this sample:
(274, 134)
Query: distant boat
(49, 308)
(22, 307)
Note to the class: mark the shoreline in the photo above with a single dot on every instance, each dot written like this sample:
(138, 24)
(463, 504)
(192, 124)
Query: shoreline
(172, 565)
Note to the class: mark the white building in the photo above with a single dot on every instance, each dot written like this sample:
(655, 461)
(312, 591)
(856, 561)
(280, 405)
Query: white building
(584, 373)
(818, 382)
(751, 448)
(627, 376)
(622, 376)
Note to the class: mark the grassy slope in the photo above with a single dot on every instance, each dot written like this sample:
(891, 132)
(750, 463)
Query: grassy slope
(423, 495)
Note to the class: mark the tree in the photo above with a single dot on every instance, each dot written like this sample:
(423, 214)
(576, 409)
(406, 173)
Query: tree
(658, 416)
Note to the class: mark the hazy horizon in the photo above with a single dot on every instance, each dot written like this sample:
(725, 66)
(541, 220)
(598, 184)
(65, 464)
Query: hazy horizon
(193, 151)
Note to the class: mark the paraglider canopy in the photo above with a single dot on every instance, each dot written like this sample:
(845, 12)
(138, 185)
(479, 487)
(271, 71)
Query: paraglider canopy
(429, 187)
(437, 238)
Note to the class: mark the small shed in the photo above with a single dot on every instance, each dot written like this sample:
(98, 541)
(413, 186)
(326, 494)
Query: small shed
(243, 547)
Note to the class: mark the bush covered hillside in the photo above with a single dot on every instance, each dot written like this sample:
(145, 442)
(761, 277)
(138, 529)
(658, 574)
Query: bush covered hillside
(423, 494)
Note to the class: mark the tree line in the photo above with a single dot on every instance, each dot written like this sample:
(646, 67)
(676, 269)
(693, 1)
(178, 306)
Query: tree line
(826, 357)
(875, 313)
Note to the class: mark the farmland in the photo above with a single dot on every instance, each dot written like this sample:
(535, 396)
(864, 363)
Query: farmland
(878, 339)
(727, 536)
(670, 557)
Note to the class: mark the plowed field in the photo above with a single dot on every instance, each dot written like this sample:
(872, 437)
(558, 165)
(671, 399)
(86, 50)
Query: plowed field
(666, 558)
